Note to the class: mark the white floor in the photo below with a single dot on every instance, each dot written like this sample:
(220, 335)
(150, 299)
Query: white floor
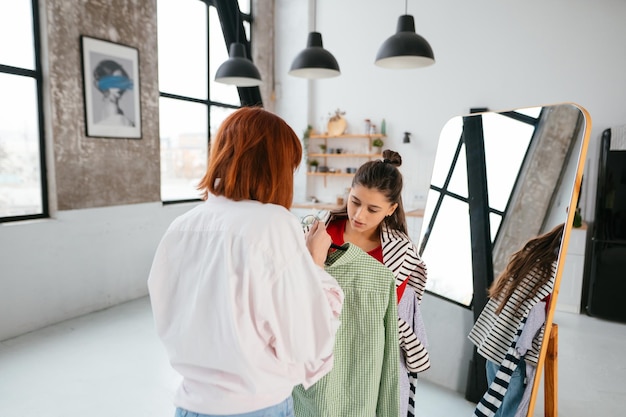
(111, 364)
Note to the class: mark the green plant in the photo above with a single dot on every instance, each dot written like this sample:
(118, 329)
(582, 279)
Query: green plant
(307, 132)
(313, 162)
(578, 220)
(378, 143)
(323, 148)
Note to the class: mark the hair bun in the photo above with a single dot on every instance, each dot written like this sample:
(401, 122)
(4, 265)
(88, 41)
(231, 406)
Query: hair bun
(392, 157)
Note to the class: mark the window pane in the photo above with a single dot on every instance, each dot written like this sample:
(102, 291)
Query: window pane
(451, 230)
(531, 111)
(16, 34)
(244, 6)
(221, 93)
(247, 29)
(182, 30)
(448, 141)
(431, 201)
(458, 181)
(506, 143)
(495, 220)
(20, 169)
(184, 137)
(218, 114)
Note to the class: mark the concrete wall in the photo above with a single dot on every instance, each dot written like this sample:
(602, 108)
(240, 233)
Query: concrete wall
(98, 172)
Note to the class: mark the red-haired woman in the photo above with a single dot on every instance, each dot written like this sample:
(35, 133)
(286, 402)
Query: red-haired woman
(240, 299)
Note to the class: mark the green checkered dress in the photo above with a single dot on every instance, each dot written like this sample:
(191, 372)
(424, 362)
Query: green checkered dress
(364, 378)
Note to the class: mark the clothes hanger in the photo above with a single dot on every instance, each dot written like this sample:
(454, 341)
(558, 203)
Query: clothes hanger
(309, 219)
(336, 246)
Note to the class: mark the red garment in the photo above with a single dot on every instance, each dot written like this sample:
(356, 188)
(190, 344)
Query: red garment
(547, 300)
(400, 289)
(336, 228)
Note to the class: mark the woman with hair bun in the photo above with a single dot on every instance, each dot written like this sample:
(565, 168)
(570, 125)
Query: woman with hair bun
(373, 219)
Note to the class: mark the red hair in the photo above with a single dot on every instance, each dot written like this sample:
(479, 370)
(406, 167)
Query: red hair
(253, 157)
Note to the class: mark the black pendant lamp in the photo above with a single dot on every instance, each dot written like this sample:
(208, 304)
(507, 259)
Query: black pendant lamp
(238, 69)
(314, 61)
(405, 49)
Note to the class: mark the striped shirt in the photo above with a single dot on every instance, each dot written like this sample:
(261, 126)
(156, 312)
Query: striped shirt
(493, 334)
(364, 378)
(400, 255)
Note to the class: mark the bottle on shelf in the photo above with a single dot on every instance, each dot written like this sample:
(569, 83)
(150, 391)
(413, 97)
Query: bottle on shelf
(368, 124)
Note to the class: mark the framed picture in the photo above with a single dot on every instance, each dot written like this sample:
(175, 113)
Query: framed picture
(111, 88)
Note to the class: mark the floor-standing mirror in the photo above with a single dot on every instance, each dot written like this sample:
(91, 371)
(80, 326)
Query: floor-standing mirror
(500, 179)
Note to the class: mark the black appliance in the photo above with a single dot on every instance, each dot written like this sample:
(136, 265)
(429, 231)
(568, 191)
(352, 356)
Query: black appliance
(607, 279)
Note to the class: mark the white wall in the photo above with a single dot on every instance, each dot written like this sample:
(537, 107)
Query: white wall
(489, 53)
(77, 262)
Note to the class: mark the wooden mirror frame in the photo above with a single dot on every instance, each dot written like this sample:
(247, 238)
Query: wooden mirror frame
(567, 198)
(550, 392)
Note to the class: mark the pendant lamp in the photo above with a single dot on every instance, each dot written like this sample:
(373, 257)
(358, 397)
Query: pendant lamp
(314, 61)
(405, 49)
(238, 69)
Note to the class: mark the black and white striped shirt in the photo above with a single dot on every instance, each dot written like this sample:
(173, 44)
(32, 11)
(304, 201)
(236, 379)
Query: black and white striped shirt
(493, 334)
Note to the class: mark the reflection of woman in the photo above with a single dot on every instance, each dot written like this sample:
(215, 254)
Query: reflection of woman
(240, 299)
(509, 330)
(111, 79)
(373, 219)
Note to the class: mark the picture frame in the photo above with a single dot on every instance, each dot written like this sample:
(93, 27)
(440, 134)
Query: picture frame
(111, 89)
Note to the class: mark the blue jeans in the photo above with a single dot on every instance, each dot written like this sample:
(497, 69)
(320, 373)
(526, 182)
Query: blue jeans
(514, 392)
(283, 409)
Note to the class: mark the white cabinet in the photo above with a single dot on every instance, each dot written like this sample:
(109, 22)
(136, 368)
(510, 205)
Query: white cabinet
(570, 290)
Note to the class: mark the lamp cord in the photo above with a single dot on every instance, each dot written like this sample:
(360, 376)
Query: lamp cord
(406, 9)
(314, 15)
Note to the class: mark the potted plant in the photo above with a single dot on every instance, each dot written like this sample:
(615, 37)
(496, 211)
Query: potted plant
(313, 163)
(323, 148)
(307, 132)
(377, 145)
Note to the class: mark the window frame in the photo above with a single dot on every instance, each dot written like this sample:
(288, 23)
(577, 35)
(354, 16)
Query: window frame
(37, 75)
(443, 192)
(232, 23)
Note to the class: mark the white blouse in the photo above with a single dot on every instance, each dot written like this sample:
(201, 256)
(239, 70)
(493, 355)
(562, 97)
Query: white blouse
(243, 311)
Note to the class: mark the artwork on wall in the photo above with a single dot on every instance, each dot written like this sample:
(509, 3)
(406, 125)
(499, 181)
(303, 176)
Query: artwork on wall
(111, 89)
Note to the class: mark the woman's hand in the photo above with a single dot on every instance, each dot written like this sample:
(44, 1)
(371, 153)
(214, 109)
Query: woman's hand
(318, 242)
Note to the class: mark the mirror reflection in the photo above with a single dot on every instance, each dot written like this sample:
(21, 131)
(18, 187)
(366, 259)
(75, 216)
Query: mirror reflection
(528, 176)
(500, 180)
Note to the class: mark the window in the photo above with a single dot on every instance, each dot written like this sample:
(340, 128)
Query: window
(507, 137)
(192, 45)
(23, 190)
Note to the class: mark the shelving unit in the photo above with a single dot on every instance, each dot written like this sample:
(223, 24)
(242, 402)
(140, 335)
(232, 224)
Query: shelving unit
(368, 155)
